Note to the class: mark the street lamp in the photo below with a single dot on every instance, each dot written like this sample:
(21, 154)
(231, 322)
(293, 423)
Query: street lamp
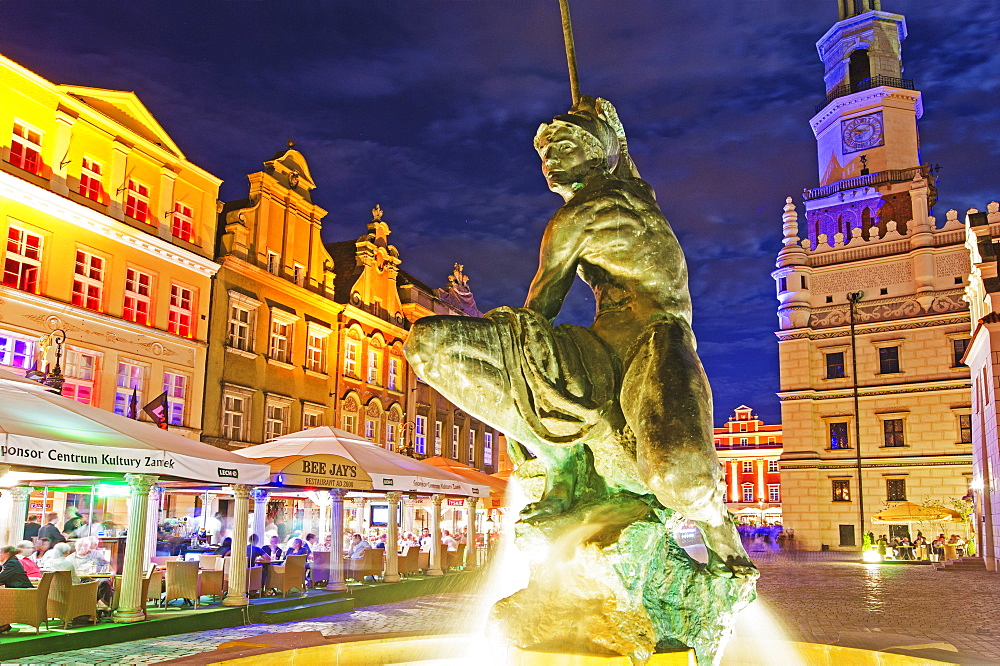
(406, 433)
(53, 379)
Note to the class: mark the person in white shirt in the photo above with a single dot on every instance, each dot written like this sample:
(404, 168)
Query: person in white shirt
(425, 541)
(448, 541)
(358, 547)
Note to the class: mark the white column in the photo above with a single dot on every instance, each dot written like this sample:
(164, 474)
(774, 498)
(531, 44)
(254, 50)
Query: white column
(471, 552)
(336, 576)
(734, 481)
(359, 519)
(152, 524)
(391, 552)
(259, 496)
(435, 564)
(237, 594)
(18, 513)
(761, 486)
(130, 601)
(407, 513)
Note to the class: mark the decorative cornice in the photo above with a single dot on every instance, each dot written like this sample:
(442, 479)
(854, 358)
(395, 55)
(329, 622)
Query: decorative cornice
(39, 198)
(840, 394)
(845, 332)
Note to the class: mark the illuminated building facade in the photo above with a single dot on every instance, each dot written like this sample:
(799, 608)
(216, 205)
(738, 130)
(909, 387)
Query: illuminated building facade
(983, 296)
(272, 358)
(868, 228)
(750, 452)
(109, 234)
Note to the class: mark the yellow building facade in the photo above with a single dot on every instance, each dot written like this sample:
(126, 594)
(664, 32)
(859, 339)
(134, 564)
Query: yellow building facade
(867, 231)
(109, 235)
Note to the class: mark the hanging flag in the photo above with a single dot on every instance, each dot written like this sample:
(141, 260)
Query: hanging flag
(133, 405)
(157, 410)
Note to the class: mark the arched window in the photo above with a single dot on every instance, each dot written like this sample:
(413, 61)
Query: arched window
(866, 221)
(859, 68)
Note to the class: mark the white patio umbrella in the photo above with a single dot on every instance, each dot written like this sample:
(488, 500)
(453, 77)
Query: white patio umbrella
(47, 433)
(328, 457)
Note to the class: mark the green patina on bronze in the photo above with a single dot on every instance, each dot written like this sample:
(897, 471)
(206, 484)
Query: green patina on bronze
(609, 425)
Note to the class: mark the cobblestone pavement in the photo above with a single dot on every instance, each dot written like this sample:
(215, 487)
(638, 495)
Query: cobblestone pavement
(810, 597)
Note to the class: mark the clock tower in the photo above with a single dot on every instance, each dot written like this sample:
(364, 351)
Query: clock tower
(879, 412)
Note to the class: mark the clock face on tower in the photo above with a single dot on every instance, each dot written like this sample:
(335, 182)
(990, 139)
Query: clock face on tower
(862, 133)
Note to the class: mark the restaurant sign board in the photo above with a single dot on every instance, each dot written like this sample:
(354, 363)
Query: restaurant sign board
(324, 471)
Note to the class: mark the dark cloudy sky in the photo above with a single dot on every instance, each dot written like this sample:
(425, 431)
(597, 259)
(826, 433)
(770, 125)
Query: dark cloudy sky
(428, 107)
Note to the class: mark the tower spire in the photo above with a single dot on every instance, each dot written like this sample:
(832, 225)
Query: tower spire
(849, 8)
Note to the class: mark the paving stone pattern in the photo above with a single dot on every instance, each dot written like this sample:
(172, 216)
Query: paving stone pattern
(811, 597)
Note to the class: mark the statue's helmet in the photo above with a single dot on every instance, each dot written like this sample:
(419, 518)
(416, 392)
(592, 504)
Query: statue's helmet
(596, 123)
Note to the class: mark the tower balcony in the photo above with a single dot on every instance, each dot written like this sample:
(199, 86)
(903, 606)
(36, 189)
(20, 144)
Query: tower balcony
(871, 179)
(866, 84)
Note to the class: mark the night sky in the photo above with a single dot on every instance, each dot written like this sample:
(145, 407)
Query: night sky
(429, 108)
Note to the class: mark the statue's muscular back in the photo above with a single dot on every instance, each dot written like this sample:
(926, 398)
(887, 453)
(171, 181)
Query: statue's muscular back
(629, 256)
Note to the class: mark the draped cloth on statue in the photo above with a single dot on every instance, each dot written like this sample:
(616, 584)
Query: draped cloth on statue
(562, 380)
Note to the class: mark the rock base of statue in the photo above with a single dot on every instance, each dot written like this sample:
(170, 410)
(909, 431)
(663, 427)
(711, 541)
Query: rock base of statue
(608, 578)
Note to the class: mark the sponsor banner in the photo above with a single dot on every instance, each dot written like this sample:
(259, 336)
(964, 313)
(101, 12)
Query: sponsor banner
(77, 457)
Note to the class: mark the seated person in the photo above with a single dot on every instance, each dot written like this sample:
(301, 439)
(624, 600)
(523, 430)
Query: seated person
(11, 574)
(298, 548)
(227, 545)
(42, 548)
(311, 541)
(358, 547)
(273, 550)
(87, 561)
(254, 553)
(57, 560)
(25, 549)
(382, 541)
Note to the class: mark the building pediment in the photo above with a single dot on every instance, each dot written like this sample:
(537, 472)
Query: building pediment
(125, 109)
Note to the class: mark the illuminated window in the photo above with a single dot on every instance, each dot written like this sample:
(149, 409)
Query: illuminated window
(488, 448)
(312, 416)
(390, 436)
(351, 357)
(88, 283)
(182, 223)
(472, 447)
(280, 347)
(273, 263)
(240, 333)
(137, 201)
(79, 369)
(747, 492)
(316, 351)
(438, 434)
(371, 432)
(747, 466)
(895, 490)
(129, 389)
(420, 435)
(773, 493)
(964, 428)
(888, 360)
(454, 442)
(393, 383)
(276, 419)
(835, 365)
(299, 274)
(181, 315)
(958, 348)
(235, 411)
(90, 180)
(26, 148)
(838, 435)
(374, 366)
(17, 351)
(175, 385)
(893, 432)
(841, 490)
(137, 293)
(744, 441)
(772, 466)
(23, 260)
(349, 422)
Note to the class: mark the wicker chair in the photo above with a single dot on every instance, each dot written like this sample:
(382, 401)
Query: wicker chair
(288, 576)
(155, 587)
(424, 561)
(371, 563)
(210, 583)
(161, 561)
(67, 601)
(147, 581)
(408, 561)
(211, 562)
(27, 605)
(320, 567)
(255, 580)
(182, 582)
(455, 557)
